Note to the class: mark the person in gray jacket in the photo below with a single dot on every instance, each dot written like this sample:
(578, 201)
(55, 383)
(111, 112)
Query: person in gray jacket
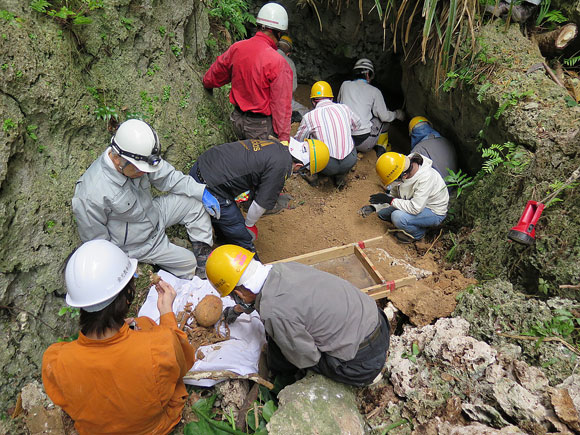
(113, 201)
(368, 103)
(313, 320)
(428, 142)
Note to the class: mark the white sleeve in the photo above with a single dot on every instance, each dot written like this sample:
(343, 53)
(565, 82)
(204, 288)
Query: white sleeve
(255, 212)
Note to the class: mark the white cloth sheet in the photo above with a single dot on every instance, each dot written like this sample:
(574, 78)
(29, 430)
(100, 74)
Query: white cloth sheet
(239, 354)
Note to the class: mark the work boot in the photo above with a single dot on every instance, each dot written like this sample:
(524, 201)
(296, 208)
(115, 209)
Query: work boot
(379, 150)
(201, 251)
(310, 179)
(340, 181)
(404, 237)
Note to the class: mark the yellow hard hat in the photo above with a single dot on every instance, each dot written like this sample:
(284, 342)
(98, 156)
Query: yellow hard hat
(225, 266)
(319, 155)
(287, 39)
(321, 89)
(390, 166)
(416, 120)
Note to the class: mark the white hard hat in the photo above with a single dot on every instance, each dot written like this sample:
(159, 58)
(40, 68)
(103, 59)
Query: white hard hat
(96, 273)
(365, 65)
(273, 16)
(137, 142)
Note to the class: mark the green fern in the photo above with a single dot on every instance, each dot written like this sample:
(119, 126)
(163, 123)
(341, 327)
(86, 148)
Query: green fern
(571, 61)
(508, 154)
(459, 180)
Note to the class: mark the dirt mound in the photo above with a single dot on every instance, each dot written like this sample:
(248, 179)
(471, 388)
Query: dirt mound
(324, 217)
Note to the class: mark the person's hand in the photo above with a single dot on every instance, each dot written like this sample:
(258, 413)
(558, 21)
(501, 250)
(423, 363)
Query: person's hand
(381, 198)
(232, 313)
(367, 210)
(211, 204)
(253, 230)
(400, 114)
(165, 297)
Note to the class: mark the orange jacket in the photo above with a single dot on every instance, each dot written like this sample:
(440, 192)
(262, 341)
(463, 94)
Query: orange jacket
(130, 383)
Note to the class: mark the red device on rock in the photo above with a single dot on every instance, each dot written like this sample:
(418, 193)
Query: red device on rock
(525, 231)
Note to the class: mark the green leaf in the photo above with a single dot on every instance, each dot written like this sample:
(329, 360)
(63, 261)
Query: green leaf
(268, 410)
(82, 19)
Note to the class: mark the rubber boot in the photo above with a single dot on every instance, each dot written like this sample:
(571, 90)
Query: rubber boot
(201, 251)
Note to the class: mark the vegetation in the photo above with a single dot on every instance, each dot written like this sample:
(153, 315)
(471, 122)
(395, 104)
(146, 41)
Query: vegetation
(233, 14)
(67, 11)
(209, 423)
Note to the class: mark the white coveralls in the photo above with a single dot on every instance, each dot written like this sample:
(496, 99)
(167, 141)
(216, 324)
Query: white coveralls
(110, 206)
(368, 103)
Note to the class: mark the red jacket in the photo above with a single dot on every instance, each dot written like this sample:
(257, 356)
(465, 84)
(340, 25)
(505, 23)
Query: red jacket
(129, 383)
(261, 80)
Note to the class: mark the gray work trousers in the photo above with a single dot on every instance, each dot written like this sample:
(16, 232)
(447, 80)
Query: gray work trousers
(251, 126)
(368, 142)
(178, 209)
(339, 167)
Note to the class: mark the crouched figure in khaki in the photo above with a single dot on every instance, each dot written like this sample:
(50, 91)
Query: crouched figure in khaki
(313, 320)
(113, 201)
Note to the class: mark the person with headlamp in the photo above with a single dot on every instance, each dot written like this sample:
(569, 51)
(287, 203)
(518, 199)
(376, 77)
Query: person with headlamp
(113, 201)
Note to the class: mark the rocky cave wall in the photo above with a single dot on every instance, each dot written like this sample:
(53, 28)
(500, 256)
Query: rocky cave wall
(140, 58)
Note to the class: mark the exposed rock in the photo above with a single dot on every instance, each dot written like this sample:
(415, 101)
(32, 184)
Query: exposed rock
(33, 395)
(572, 384)
(517, 402)
(316, 405)
(54, 80)
(451, 345)
(233, 393)
(485, 414)
(495, 307)
(445, 428)
(565, 409)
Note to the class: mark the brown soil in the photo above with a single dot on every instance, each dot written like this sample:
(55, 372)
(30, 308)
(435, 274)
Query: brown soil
(324, 217)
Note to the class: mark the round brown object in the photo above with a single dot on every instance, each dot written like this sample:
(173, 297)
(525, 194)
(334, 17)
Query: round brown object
(208, 311)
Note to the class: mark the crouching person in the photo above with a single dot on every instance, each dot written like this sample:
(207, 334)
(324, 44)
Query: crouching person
(313, 320)
(417, 200)
(114, 379)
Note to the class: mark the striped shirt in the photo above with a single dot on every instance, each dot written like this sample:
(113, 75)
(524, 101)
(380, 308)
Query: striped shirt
(331, 123)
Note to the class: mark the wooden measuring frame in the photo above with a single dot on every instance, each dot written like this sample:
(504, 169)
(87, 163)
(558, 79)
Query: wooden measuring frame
(378, 291)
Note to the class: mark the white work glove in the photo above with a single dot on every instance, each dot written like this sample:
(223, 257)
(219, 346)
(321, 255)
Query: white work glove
(400, 114)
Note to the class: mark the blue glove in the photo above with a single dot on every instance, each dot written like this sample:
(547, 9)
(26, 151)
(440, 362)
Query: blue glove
(211, 204)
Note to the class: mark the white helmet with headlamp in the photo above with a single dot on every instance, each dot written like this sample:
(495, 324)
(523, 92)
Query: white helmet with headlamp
(137, 142)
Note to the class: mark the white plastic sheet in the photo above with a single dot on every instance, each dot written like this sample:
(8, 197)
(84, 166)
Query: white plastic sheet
(240, 353)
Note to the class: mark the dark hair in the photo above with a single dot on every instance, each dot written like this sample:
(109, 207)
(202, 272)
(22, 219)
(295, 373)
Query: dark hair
(110, 317)
(417, 158)
(360, 74)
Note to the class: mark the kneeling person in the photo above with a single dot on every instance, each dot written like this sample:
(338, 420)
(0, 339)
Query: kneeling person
(418, 200)
(313, 320)
(260, 166)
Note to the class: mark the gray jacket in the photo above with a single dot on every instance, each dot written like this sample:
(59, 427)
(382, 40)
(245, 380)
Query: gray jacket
(307, 311)
(108, 205)
(440, 151)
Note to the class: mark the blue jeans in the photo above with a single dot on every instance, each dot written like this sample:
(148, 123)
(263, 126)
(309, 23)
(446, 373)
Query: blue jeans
(415, 225)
